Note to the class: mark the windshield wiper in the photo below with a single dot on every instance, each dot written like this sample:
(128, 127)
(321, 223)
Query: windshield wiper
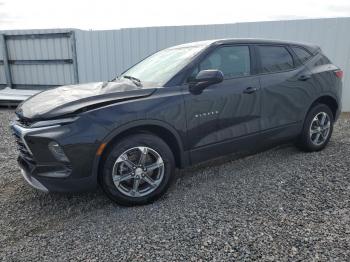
(134, 79)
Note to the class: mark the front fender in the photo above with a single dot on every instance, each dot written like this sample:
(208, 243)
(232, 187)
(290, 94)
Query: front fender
(184, 158)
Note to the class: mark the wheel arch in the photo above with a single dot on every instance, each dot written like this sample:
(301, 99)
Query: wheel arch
(155, 127)
(304, 141)
(328, 100)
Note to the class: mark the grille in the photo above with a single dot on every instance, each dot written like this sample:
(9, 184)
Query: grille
(24, 122)
(23, 151)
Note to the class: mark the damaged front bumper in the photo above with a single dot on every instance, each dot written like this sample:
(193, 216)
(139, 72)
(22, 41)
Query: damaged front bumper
(44, 168)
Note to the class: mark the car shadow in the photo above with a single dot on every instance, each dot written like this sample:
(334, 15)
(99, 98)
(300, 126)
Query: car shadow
(66, 205)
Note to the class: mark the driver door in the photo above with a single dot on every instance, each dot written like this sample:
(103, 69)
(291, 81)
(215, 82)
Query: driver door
(225, 117)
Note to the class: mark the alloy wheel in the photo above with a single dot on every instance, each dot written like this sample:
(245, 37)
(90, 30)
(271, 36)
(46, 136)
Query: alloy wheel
(320, 128)
(138, 171)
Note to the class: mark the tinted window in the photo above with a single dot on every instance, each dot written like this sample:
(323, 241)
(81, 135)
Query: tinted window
(275, 58)
(322, 61)
(302, 54)
(233, 61)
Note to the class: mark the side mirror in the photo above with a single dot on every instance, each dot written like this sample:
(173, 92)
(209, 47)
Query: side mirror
(204, 79)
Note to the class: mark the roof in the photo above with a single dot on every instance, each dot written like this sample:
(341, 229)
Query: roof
(310, 47)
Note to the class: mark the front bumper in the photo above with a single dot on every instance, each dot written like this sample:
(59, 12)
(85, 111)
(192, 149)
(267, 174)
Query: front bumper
(33, 181)
(43, 171)
(49, 184)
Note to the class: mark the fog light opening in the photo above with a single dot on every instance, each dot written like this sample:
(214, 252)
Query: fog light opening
(57, 151)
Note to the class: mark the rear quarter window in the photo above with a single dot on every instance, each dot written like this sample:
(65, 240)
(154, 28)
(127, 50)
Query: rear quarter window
(302, 54)
(275, 59)
(323, 60)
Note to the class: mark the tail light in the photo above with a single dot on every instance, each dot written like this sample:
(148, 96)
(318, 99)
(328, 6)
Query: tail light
(339, 73)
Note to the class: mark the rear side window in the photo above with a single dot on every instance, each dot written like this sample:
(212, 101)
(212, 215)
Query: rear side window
(275, 59)
(233, 61)
(302, 54)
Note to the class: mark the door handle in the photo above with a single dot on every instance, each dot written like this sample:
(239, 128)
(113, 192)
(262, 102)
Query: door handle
(250, 90)
(304, 77)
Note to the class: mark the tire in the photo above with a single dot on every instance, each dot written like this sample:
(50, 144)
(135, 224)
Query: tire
(138, 178)
(313, 128)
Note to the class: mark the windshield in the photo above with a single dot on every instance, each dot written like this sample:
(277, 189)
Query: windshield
(160, 67)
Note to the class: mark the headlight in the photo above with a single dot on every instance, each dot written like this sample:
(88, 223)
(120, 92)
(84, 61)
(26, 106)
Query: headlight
(57, 151)
(54, 122)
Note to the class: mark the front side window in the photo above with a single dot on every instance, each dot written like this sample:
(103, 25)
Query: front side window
(275, 59)
(232, 61)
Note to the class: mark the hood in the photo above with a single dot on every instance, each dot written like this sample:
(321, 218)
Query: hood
(68, 99)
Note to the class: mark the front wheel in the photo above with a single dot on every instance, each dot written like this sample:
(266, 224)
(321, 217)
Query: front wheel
(317, 130)
(137, 170)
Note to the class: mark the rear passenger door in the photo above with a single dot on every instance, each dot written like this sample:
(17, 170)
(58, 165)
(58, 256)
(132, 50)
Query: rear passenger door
(284, 90)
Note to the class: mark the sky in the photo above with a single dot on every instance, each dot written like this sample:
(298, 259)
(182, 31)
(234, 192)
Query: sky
(115, 14)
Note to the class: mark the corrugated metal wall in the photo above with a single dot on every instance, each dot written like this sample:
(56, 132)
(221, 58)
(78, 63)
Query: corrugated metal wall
(2, 69)
(105, 54)
(20, 49)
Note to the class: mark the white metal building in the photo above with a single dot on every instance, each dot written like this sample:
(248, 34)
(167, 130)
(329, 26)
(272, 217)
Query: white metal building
(44, 58)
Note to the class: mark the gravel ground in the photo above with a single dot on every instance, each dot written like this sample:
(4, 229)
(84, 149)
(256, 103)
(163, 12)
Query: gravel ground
(277, 205)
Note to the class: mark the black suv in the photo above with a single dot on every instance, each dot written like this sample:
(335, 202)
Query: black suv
(177, 107)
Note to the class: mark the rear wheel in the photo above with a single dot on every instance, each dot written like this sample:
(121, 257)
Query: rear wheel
(137, 170)
(318, 128)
